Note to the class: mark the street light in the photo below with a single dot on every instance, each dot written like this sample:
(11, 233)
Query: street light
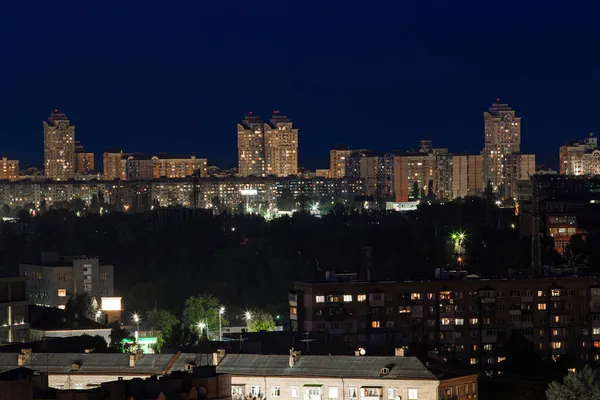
(221, 312)
(248, 316)
(136, 319)
(201, 327)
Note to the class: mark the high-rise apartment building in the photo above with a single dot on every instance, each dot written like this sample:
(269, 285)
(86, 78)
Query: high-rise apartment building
(466, 175)
(416, 173)
(251, 146)
(281, 146)
(517, 167)
(139, 167)
(337, 162)
(172, 166)
(59, 147)
(580, 158)
(9, 169)
(267, 148)
(502, 137)
(115, 163)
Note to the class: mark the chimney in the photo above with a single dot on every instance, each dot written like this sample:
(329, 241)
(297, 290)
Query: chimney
(218, 357)
(23, 357)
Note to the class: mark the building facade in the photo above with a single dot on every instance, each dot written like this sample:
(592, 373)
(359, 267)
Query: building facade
(251, 146)
(14, 315)
(281, 146)
(467, 320)
(84, 163)
(580, 158)
(329, 377)
(502, 137)
(55, 279)
(9, 169)
(467, 176)
(173, 167)
(422, 173)
(337, 162)
(115, 165)
(59, 147)
(517, 167)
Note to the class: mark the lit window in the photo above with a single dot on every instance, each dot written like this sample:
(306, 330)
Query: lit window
(473, 361)
(473, 321)
(62, 293)
(555, 292)
(347, 298)
(333, 392)
(459, 321)
(415, 296)
(375, 324)
(542, 306)
(361, 297)
(320, 299)
(557, 345)
(413, 394)
(62, 306)
(392, 393)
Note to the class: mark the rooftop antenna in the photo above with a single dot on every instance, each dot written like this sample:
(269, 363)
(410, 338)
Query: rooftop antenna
(307, 340)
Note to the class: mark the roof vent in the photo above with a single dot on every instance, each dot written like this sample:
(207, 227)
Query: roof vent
(385, 371)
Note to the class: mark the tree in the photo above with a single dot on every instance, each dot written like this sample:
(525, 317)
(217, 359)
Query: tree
(163, 321)
(582, 385)
(203, 309)
(574, 250)
(24, 216)
(216, 203)
(261, 321)
(117, 335)
(415, 191)
(82, 305)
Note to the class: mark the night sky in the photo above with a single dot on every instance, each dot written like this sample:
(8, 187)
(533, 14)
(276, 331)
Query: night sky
(379, 75)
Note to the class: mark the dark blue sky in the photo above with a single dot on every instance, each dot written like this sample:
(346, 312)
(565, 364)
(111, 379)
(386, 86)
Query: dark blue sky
(177, 77)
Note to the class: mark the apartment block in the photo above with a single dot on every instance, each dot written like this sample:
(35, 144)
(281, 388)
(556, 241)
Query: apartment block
(115, 165)
(466, 320)
(9, 169)
(59, 147)
(467, 176)
(52, 281)
(267, 148)
(139, 167)
(580, 158)
(337, 162)
(502, 133)
(300, 376)
(177, 166)
(84, 163)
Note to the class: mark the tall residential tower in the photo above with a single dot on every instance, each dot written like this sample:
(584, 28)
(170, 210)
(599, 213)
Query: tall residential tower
(59, 147)
(267, 148)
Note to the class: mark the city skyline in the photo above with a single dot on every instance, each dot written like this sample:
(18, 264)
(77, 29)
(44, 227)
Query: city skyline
(427, 70)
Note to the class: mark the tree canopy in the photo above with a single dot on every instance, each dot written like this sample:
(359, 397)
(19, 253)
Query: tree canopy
(581, 385)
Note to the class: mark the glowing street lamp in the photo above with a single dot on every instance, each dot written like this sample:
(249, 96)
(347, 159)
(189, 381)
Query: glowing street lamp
(248, 316)
(136, 319)
(221, 312)
(201, 326)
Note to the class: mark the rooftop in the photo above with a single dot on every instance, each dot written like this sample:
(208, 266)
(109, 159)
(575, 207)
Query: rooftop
(325, 366)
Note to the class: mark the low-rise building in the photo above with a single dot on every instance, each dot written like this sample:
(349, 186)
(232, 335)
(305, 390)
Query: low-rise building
(330, 377)
(54, 279)
(14, 318)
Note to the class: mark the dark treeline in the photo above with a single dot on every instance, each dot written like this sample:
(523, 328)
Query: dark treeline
(246, 261)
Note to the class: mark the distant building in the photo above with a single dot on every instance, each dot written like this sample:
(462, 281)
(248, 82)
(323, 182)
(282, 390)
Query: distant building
(51, 282)
(322, 173)
(84, 162)
(59, 147)
(251, 146)
(337, 162)
(580, 158)
(467, 175)
(422, 173)
(177, 166)
(517, 167)
(502, 137)
(115, 165)
(9, 169)
(269, 148)
(139, 167)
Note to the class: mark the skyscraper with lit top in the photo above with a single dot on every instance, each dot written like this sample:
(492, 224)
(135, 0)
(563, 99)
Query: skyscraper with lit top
(251, 146)
(59, 147)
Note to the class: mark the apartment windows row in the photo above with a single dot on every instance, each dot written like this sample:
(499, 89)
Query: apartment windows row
(318, 392)
(458, 390)
(449, 295)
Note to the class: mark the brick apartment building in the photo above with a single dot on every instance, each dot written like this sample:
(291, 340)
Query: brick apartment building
(468, 321)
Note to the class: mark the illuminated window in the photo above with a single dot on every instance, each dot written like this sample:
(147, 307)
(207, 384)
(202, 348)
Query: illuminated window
(415, 296)
(361, 297)
(557, 345)
(555, 292)
(446, 321)
(473, 321)
(473, 360)
(541, 293)
(375, 324)
(413, 394)
(293, 310)
(320, 299)
(347, 298)
(62, 306)
(459, 321)
(542, 306)
(62, 293)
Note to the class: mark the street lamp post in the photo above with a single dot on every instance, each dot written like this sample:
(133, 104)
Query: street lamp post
(221, 312)
(136, 319)
(248, 316)
(201, 327)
